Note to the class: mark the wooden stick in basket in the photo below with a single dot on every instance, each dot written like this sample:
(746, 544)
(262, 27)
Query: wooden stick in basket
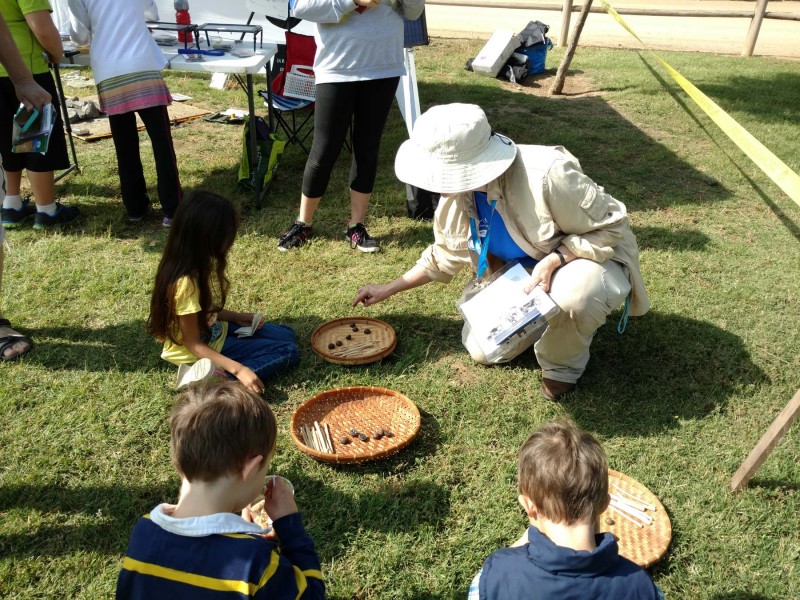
(628, 501)
(330, 440)
(322, 440)
(622, 492)
(622, 513)
(636, 514)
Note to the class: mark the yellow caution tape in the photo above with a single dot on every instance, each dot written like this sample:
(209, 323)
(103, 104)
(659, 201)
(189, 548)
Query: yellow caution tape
(774, 167)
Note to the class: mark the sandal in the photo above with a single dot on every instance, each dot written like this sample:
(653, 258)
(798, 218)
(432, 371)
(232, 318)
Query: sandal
(10, 340)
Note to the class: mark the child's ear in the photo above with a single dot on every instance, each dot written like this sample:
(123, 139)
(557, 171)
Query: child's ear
(528, 506)
(251, 466)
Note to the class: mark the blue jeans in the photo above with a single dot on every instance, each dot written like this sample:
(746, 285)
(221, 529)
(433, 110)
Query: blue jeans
(271, 349)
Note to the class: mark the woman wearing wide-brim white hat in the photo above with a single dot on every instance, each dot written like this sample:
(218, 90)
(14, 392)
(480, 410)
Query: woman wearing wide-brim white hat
(502, 203)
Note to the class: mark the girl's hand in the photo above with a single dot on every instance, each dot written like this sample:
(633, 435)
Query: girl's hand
(250, 380)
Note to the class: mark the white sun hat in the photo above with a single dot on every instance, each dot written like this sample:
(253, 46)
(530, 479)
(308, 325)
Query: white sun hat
(453, 149)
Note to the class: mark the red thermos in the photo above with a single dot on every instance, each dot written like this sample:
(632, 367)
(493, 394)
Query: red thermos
(182, 16)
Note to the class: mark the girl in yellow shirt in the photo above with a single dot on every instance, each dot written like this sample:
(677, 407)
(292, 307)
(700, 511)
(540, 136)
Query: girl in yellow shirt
(187, 308)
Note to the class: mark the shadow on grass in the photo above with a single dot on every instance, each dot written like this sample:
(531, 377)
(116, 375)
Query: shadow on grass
(719, 91)
(738, 596)
(661, 238)
(106, 514)
(663, 370)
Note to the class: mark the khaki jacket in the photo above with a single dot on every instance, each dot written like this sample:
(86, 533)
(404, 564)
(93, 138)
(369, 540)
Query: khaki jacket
(545, 200)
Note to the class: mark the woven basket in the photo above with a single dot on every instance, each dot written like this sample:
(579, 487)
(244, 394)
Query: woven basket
(366, 409)
(643, 545)
(361, 348)
(300, 85)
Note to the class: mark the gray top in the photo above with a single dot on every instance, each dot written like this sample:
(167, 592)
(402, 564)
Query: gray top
(357, 46)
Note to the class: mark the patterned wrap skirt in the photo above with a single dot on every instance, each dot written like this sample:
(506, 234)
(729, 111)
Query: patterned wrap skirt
(134, 91)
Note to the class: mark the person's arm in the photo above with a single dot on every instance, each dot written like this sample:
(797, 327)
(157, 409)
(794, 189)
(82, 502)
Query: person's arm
(43, 28)
(190, 331)
(80, 25)
(373, 293)
(326, 11)
(30, 93)
(412, 9)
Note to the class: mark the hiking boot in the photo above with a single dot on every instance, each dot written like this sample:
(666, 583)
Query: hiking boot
(359, 238)
(553, 390)
(294, 237)
(13, 218)
(64, 214)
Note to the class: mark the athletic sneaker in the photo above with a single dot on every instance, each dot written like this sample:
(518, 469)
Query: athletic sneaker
(166, 222)
(13, 218)
(203, 370)
(359, 238)
(294, 237)
(64, 214)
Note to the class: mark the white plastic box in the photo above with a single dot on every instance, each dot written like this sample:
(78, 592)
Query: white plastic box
(495, 53)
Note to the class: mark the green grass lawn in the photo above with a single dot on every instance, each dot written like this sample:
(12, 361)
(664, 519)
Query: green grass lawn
(678, 400)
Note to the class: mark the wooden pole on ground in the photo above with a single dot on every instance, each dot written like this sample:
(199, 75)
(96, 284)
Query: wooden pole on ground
(755, 27)
(767, 442)
(558, 84)
(566, 15)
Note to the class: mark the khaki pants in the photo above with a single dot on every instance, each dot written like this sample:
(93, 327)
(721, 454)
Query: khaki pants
(586, 292)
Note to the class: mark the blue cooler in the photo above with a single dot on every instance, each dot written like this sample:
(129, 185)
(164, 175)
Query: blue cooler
(537, 55)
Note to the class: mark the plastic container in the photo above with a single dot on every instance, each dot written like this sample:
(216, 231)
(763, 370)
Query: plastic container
(495, 53)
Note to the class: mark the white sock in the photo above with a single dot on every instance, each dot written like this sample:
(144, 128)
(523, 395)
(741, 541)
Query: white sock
(49, 209)
(13, 202)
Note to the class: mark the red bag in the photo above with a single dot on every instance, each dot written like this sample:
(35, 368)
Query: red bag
(300, 51)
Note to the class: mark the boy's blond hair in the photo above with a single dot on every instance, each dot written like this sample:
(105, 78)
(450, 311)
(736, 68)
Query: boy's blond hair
(216, 428)
(564, 471)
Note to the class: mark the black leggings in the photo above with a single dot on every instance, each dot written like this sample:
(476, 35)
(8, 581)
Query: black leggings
(131, 174)
(367, 103)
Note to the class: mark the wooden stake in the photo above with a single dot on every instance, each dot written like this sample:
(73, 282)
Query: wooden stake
(766, 444)
(755, 27)
(566, 15)
(558, 84)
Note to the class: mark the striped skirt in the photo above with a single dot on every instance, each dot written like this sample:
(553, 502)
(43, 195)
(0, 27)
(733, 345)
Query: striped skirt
(134, 91)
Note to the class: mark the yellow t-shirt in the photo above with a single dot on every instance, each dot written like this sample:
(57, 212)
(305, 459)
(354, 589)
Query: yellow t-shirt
(187, 302)
(30, 49)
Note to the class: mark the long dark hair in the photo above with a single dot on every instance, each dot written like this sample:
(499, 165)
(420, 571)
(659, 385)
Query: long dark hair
(202, 232)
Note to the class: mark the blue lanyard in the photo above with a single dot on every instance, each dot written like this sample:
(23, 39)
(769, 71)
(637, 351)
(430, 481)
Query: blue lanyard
(482, 247)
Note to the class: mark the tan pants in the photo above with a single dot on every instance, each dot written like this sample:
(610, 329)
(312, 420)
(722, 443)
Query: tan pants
(586, 292)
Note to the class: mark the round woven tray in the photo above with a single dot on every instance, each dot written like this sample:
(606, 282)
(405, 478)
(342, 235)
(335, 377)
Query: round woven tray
(366, 409)
(361, 348)
(643, 545)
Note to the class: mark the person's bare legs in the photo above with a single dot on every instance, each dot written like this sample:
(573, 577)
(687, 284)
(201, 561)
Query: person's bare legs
(358, 206)
(42, 185)
(308, 206)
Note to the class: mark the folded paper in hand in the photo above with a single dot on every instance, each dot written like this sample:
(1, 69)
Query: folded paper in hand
(248, 331)
(502, 310)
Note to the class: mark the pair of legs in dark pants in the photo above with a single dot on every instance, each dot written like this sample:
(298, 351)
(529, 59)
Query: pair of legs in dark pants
(131, 175)
(367, 104)
(271, 349)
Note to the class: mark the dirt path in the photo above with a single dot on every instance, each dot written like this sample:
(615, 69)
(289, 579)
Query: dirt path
(706, 34)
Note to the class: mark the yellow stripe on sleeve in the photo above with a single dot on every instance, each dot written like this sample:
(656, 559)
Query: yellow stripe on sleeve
(300, 580)
(316, 574)
(274, 559)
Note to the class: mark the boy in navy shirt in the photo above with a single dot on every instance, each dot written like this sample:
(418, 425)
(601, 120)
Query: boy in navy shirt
(222, 439)
(563, 487)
